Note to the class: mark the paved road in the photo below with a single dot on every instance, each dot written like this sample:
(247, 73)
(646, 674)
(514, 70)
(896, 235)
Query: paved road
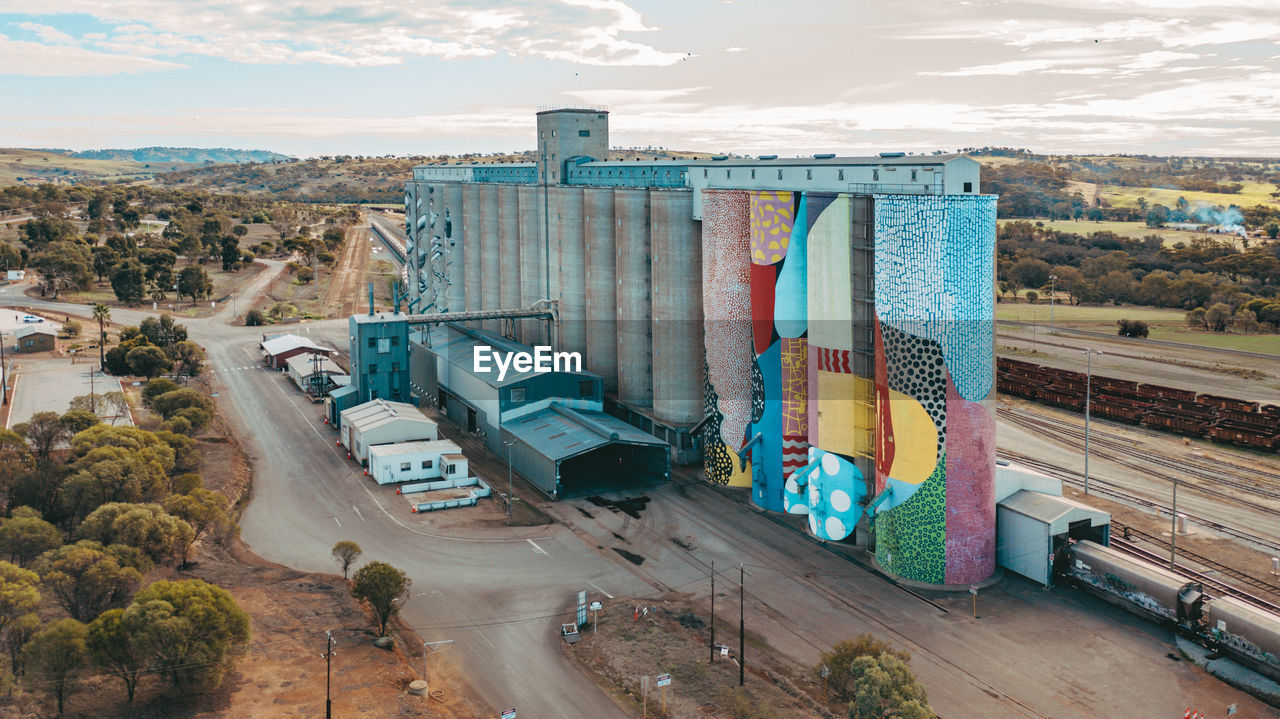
(1032, 653)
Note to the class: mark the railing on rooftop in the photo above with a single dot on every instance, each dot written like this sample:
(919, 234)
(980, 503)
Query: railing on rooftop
(884, 188)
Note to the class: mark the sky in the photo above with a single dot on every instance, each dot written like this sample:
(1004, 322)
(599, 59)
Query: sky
(415, 77)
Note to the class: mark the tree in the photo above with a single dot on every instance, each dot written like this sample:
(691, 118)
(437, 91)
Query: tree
(1218, 317)
(128, 281)
(1032, 296)
(18, 594)
(837, 664)
(1273, 231)
(78, 420)
(87, 580)
(104, 260)
(22, 539)
(55, 655)
(229, 252)
(190, 630)
(162, 331)
(885, 688)
(205, 510)
(43, 432)
(188, 358)
(10, 257)
(156, 387)
(1030, 272)
(16, 637)
(146, 526)
(345, 553)
(194, 282)
(384, 588)
(117, 648)
(168, 404)
(148, 361)
(71, 328)
(1117, 286)
(15, 461)
(1195, 318)
(102, 314)
(255, 318)
(1246, 321)
(64, 266)
(1132, 328)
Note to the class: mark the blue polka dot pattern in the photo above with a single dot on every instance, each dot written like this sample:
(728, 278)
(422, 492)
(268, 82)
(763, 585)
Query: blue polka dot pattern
(830, 490)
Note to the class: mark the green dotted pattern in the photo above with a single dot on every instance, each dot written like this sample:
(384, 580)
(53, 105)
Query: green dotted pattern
(910, 538)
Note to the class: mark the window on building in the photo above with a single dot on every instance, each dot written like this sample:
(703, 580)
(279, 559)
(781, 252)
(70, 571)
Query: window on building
(968, 187)
(449, 468)
(704, 172)
(913, 175)
(875, 175)
(373, 394)
(779, 174)
(405, 466)
(553, 133)
(426, 464)
(839, 174)
(584, 133)
(517, 394)
(384, 345)
(808, 174)
(373, 341)
(373, 369)
(753, 174)
(395, 341)
(586, 388)
(395, 366)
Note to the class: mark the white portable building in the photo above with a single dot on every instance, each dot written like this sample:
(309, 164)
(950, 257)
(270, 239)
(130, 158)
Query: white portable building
(416, 461)
(383, 422)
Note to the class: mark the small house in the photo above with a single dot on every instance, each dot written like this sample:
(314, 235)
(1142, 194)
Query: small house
(416, 461)
(35, 339)
(314, 373)
(383, 422)
(277, 350)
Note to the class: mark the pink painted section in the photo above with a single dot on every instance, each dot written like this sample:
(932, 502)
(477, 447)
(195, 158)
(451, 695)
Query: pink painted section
(726, 306)
(971, 483)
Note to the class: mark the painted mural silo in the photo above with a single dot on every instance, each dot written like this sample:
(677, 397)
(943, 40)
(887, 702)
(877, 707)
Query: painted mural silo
(935, 381)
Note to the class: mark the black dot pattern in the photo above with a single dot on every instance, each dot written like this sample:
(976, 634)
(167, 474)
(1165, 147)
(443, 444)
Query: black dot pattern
(917, 368)
(719, 465)
(757, 391)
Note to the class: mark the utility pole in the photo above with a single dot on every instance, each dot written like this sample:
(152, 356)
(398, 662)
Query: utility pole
(1053, 293)
(742, 625)
(1173, 526)
(93, 398)
(713, 610)
(1088, 389)
(509, 444)
(328, 666)
(4, 375)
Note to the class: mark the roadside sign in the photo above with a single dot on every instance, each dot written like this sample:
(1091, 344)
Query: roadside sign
(582, 607)
(973, 590)
(595, 606)
(664, 680)
(508, 714)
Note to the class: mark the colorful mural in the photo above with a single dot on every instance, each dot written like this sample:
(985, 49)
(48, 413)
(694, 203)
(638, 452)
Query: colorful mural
(935, 356)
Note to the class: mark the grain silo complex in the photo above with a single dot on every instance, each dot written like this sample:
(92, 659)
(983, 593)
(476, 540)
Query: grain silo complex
(817, 329)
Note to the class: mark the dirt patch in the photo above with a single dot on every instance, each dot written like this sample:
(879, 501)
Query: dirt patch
(674, 638)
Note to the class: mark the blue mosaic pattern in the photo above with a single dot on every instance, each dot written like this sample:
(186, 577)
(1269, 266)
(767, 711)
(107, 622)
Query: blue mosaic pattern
(934, 280)
(766, 457)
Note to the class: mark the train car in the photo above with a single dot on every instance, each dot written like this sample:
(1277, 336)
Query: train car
(1132, 584)
(1237, 405)
(1245, 434)
(1175, 421)
(1062, 397)
(1155, 390)
(1117, 408)
(1248, 634)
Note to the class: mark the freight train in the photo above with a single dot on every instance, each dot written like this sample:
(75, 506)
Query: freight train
(1223, 419)
(1227, 625)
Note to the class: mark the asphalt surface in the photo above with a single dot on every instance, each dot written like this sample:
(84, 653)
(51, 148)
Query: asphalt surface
(500, 592)
(50, 383)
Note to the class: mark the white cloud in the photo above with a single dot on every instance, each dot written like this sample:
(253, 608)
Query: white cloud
(735, 49)
(46, 33)
(22, 57)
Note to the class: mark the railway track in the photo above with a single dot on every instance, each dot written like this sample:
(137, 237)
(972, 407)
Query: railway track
(1122, 452)
(1110, 490)
(1271, 602)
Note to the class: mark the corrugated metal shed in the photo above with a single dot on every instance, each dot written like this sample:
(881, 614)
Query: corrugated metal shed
(1031, 527)
(284, 343)
(1057, 512)
(456, 345)
(559, 433)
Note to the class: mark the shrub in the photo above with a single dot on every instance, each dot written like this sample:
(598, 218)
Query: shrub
(71, 328)
(1132, 328)
(1033, 296)
(255, 318)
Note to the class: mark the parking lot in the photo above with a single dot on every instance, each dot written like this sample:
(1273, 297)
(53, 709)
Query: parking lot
(11, 320)
(49, 385)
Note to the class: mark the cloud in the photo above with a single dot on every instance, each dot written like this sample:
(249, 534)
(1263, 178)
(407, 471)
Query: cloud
(631, 97)
(372, 33)
(22, 57)
(735, 49)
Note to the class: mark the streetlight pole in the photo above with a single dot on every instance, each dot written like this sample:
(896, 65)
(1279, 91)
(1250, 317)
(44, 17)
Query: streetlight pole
(1088, 390)
(509, 444)
(328, 666)
(1173, 526)
(742, 624)
(713, 610)
(1053, 294)
(4, 375)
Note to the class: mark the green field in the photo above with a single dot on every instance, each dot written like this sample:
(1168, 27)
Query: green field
(1254, 193)
(1136, 230)
(33, 165)
(1165, 324)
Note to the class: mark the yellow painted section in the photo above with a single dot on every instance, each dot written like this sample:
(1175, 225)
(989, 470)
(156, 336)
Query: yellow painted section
(738, 478)
(915, 439)
(846, 413)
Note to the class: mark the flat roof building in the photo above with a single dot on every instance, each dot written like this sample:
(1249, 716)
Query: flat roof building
(277, 350)
(416, 461)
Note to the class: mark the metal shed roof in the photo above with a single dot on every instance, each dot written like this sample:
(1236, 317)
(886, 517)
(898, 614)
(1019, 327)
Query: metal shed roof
(36, 330)
(304, 365)
(1057, 512)
(396, 449)
(284, 343)
(559, 432)
(366, 416)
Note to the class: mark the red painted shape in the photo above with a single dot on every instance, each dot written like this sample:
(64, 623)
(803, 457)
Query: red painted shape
(884, 422)
(763, 280)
